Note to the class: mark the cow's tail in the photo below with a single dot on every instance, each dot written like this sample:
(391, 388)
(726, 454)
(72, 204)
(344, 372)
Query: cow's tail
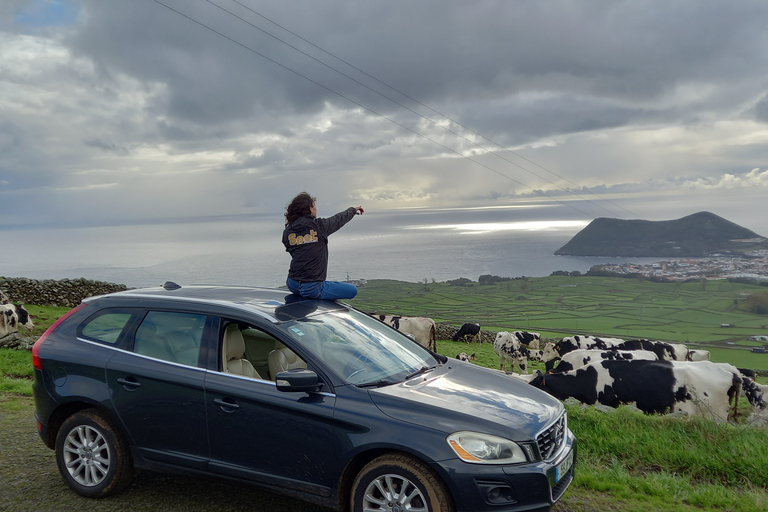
(733, 395)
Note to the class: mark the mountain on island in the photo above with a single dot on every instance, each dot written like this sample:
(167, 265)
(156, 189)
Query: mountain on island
(700, 234)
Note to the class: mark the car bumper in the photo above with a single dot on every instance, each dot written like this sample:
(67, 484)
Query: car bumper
(524, 487)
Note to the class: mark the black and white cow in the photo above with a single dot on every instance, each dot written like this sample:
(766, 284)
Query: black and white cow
(554, 351)
(698, 355)
(578, 358)
(463, 356)
(468, 330)
(663, 350)
(422, 329)
(12, 316)
(699, 388)
(509, 347)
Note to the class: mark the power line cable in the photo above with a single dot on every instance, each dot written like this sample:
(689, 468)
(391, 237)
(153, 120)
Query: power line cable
(457, 123)
(364, 107)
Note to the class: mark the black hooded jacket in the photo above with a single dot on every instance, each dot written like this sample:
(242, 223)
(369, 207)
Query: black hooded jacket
(306, 240)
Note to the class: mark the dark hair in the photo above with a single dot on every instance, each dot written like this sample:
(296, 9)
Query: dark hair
(299, 207)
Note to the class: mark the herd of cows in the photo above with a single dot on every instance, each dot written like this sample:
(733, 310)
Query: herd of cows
(658, 377)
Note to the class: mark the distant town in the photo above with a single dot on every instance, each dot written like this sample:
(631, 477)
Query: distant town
(751, 265)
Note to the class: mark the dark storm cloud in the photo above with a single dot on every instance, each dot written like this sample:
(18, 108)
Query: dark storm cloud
(96, 97)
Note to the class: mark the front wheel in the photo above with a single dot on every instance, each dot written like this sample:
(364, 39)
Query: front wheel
(398, 482)
(92, 456)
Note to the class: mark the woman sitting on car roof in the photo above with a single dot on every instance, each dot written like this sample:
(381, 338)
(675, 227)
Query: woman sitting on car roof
(306, 239)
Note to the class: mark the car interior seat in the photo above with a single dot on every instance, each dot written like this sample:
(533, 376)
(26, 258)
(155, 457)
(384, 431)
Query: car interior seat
(283, 358)
(233, 351)
(149, 343)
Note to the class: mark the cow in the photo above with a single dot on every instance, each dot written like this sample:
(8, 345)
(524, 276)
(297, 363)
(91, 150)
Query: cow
(554, 351)
(463, 356)
(700, 388)
(698, 355)
(12, 316)
(663, 350)
(581, 357)
(509, 347)
(422, 329)
(757, 394)
(468, 330)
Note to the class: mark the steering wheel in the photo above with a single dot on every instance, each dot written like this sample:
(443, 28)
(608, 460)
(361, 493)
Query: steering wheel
(357, 363)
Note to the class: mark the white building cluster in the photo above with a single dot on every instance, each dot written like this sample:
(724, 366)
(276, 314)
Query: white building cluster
(754, 265)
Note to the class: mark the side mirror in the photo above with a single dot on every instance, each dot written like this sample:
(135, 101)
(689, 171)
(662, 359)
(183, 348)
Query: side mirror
(297, 380)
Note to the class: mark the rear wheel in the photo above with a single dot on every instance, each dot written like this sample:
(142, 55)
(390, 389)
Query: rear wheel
(398, 482)
(92, 456)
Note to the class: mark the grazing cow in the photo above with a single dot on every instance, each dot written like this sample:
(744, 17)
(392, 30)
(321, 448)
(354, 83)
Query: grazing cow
(14, 315)
(422, 329)
(698, 388)
(463, 356)
(581, 357)
(471, 330)
(509, 347)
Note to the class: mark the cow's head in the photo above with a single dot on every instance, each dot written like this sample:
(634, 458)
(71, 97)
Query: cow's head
(23, 316)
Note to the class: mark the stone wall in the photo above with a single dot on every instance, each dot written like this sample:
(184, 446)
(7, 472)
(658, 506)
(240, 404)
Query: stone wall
(446, 332)
(65, 292)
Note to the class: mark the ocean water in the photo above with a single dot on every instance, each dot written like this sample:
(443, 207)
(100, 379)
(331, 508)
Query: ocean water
(407, 245)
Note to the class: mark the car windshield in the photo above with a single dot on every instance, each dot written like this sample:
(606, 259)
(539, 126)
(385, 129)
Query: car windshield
(359, 348)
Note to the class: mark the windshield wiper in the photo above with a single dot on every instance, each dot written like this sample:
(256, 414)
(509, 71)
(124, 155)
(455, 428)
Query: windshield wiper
(421, 370)
(376, 384)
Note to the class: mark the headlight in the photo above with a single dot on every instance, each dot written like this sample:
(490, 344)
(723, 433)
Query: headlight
(485, 448)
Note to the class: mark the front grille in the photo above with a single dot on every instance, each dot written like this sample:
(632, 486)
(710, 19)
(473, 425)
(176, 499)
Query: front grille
(551, 439)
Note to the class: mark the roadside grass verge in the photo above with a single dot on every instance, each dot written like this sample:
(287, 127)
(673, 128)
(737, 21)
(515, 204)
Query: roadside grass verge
(16, 371)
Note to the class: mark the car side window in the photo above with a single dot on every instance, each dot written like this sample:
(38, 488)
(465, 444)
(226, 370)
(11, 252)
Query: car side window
(171, 336)
(106, 327)
(251, 352)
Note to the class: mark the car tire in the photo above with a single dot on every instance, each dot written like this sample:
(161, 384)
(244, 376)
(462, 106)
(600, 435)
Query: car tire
(398, 482)
(92, 456)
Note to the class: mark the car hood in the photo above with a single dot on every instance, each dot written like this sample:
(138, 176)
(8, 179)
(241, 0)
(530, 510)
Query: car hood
(467, 397)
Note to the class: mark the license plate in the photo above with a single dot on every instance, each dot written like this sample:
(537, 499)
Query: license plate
(564, 466)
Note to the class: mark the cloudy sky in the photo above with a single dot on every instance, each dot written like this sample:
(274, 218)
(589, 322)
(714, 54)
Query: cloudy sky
(128, 112)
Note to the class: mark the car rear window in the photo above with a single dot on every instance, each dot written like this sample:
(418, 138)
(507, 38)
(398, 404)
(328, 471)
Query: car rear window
(106, 327)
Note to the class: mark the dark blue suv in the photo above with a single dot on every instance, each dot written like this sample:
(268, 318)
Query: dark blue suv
(309, 398)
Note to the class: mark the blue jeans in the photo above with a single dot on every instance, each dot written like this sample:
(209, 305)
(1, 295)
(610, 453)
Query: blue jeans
(322, 289)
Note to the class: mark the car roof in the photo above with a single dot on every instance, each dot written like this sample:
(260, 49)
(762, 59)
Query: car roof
(274, 304)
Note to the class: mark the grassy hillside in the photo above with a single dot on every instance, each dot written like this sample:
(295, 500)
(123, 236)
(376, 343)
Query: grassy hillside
(557, 306)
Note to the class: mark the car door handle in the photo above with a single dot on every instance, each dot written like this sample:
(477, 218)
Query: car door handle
(130, 383)
(225, 405)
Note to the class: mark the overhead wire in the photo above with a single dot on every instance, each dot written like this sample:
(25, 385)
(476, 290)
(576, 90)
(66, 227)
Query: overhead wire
(345, 97)
(444, 116)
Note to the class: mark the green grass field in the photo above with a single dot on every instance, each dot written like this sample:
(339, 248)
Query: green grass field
(557, 306)
(627, 461)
